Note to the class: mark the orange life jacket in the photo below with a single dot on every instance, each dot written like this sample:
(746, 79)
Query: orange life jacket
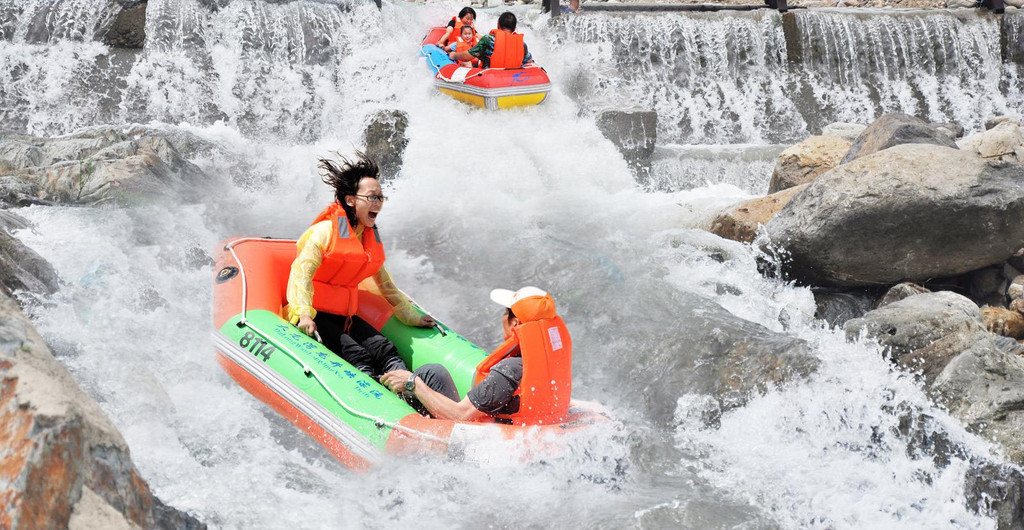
(347, 260)
(546, 347)
(463, 46)
(457, 30)
(509, 50)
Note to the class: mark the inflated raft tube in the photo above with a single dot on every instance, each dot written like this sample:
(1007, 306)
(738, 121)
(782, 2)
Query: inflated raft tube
(350, 414)
(491, 88)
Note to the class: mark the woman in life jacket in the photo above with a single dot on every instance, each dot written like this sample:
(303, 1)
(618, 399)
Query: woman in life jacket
(466, 41)
(341, 248)
(467, 16)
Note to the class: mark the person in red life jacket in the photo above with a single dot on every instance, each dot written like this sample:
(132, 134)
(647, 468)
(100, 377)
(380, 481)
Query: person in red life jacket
(501, 48)
(526, 381)
(341, 248)
(466, 41)
(467, 16)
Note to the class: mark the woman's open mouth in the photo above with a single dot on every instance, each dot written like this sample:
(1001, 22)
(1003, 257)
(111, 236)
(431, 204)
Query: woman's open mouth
(372, 215)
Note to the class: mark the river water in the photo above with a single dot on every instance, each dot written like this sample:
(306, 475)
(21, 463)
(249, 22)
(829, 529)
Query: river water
(485, 200)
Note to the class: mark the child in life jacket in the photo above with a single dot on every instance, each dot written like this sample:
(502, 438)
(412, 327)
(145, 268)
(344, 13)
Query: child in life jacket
(466, 40)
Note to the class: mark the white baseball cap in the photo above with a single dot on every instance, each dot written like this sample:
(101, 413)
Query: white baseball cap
(509, 298)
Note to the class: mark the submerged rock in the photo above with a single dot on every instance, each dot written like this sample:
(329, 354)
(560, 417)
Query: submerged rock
(385, 141)
(896, 129)
(976, 375)
(634, 133)
(806, 160)
(64, 464)
(740, 222)
(888, 217)
(124, 24)
(997, 490)
(718, 355)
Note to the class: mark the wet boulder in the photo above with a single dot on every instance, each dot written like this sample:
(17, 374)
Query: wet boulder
(978, 376)
(997, 490)
(123, 24)
(21, 268)
(634, 133)
(806, 160)
(983, 387)
(718, 355)
(897, 129)
(908, 213)
(64, 464)
(385, 141)
(740, 222)
(918, 321)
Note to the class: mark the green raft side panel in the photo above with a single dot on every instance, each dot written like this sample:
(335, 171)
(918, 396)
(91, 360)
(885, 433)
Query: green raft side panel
(419, 346)
(282, 346)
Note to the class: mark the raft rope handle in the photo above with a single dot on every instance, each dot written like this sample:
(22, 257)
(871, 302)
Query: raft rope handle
(305, 368)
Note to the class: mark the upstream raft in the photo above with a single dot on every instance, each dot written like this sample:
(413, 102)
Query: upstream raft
(490, 88)
(349, 413)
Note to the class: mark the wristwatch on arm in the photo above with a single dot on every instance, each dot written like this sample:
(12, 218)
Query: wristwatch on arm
(410, 385)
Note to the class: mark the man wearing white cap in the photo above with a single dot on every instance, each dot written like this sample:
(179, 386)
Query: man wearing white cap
(496, 392)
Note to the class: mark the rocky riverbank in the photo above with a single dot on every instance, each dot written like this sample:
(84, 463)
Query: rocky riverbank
(63, 464)
(911, 236)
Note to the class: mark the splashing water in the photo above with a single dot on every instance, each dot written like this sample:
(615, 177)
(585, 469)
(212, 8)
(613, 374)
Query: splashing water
(485, 200)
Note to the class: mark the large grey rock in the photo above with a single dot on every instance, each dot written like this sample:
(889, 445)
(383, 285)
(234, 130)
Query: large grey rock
(94, 165)
(806, 160)
(909, 213)
(719, 356)
(63, 464)
(896, 129)
(385, 141)
(634, 133)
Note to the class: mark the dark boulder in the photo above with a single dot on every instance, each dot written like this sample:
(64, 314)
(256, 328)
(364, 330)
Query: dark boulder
(385, 141)
(634, 133)
(718, 356)
(126, 24)
(21, 268)
(896, 129)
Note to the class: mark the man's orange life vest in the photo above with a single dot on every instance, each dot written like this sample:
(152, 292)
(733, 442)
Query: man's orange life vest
(457, 30)
(347, 260)
(509, 50)
(546, 347)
